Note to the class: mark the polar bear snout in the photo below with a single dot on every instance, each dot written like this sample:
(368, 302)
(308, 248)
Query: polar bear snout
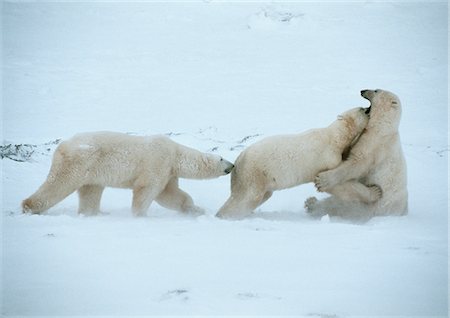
(228, 170)
(367, 94)
(228, 166)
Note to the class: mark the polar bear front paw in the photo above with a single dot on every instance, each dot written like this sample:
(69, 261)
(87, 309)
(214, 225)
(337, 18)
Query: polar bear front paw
(323, 181)
(310, 203)
(375, 193)
(313, 208)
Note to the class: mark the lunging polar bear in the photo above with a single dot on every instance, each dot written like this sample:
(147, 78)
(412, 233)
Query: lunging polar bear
(285, 161)
(376, 159)
(150, 166)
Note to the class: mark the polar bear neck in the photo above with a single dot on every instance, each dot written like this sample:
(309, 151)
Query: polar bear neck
(383, 125)
(193, 164)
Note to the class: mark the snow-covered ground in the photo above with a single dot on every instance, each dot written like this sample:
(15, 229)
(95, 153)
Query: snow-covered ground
(218, 77)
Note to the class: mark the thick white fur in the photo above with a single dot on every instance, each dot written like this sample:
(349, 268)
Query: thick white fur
(286, 161)
(150, 166)
(375, 160)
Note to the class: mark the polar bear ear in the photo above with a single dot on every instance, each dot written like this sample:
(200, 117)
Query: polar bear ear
(340, 117)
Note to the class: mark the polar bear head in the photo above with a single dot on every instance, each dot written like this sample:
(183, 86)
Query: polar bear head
(351, 124)
(355, 120)
(385, 109)
(194, 164)
(215, 166)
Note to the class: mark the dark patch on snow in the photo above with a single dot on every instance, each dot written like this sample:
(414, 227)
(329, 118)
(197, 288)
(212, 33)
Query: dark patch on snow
(240, 143)
(173, 134)
(25, 152)
(178, 294)
(247, 138)
(262, 229)
(247, 295)
(237, 147)
(20, 153)
(441, 153)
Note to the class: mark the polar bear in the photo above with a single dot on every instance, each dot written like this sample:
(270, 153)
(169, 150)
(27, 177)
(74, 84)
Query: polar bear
(285, 161)
(376, 159)
(150, 166)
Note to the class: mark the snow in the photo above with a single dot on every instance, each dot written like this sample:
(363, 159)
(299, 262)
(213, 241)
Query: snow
(217, 77)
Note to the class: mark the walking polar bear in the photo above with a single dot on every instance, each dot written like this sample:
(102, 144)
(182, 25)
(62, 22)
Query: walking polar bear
(150, 166)
(285, 161)
(376, 159)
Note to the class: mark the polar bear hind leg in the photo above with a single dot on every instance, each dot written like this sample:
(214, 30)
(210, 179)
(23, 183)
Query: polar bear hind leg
(60, 183)
(89, 199)
(338, 209)
(48, 195)
(266, 197)
(242, 203)
(231, 207)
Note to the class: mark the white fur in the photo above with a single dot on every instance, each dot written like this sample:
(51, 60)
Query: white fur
(285, 161)
(375, 164)
(150, 166)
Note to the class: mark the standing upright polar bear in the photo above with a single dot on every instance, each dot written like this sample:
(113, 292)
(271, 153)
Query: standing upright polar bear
(376, 159)
(150, 166)
(286, 161)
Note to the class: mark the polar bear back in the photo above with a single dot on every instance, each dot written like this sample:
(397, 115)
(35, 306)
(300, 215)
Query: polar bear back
(115, 159)
(282, 159)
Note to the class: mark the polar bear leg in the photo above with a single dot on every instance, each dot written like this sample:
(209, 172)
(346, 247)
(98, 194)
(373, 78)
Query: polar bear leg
(266, 197)
(174, 198)
(63, 179)
(356, 191)
(318, 208)
(356, 212)
(143, 197)
(314, 209)
(241, 204)
(49, 194)
(230, 208)
(89, 199)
